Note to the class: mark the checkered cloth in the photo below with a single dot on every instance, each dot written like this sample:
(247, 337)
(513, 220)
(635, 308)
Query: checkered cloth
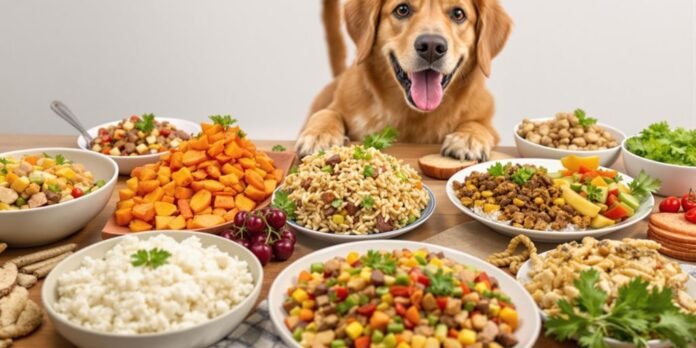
(256, 331)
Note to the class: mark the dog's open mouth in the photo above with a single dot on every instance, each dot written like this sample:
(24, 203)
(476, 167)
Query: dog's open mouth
(424, 89)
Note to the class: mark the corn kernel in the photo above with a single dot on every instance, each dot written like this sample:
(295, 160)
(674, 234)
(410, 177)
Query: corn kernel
(354, 330)
(295, 311)
(518, 202)
(299, 295)
(466, 337)
(338, 219)
(538, 201)
(352, 257)
(382, 306)
(490, 208)
(309, 304)
(493, 309)
(403, 345)
(387, 298)
(559, 201)
(436, 262)
(480, 287)
(343, 277)
(479, 202)
(487, 193)
(471, 187)
(466, 201)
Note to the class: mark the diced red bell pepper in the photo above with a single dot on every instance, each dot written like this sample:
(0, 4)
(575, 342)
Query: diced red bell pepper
(417, 276)
(106, 138)
(135, 118)
(362, 342)
(612, 199)
(399, 290)
(367, 309)
(441, 302)
(483, 276)
(614, 191)
(341, 293)
(616, 212)
(452, 333)
(465, 288)
(583, 170)
(400, 309)
(165, 132)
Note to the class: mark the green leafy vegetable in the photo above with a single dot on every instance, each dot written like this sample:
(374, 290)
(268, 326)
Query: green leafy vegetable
(60, 160)
(225, 121)
(644, 185)
(282, 201)
(152, 258)
(367, 202)
(441, 283)
(146, 123)
(637, 315)
(359, 152)
(583, 119)
(337, 203)
(522, 175)
(369, 171)
(660, 143)
(377, 260)
(381, 140)
(497, 169)
(278, 148)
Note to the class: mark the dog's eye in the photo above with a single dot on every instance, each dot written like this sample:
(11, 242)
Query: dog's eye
(402, 11)
(458, 15)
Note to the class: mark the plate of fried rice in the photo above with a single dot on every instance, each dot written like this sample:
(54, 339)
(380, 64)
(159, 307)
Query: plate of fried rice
(351, 193)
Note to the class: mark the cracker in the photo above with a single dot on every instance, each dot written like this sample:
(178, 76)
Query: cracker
(30, 318)
(12, 305)
(8, 278)
(682, 247)
(26, 280)
(675, 237)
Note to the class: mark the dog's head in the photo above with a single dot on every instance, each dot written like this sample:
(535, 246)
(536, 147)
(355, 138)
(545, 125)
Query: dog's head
(426, 42)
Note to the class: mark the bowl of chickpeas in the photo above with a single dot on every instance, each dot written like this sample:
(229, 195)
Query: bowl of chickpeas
(568, 133)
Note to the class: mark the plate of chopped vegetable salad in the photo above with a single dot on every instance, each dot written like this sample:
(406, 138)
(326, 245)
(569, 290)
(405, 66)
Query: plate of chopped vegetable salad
(384, 292)
(552, 200)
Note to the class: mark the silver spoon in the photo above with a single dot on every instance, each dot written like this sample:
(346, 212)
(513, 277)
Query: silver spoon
(64, 112)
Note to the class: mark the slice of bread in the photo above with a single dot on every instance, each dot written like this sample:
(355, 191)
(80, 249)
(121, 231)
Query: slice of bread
(441, 167)
(674, 222)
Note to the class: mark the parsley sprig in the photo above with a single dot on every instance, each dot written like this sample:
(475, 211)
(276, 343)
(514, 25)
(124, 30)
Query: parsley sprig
(497, 169)
(594, 193)
(638, 314)
(381, 140)
(282, 201)
(367, 202)
(60, 159)
(152, 258)
(441, 283)
(377, 260)
(368, 171)
(644, 186)
(278, 148)
(225, 121)
(583, 119)
(522, 175)
(146, 123)
(661, 143)
(359, 152)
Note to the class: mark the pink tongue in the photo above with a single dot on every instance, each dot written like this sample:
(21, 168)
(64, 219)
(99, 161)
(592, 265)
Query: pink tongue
(426, 90)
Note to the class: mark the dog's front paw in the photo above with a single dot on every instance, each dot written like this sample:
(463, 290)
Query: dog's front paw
(311, 142)
(467, 146)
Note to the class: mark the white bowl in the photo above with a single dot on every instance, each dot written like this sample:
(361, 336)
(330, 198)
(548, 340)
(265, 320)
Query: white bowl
(676, 179)
(343, 238)
(201, 335)
(127, 163)
(541, 236)
(523, 278)
(527, 333)
(529, 149)
(47, 224)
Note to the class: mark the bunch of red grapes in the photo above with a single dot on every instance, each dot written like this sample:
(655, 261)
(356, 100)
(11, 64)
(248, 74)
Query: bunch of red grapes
(265, 233)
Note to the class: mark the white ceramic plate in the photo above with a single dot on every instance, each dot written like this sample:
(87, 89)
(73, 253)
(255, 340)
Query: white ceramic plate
(676, 179)
(523, 278)
(527, 333)
(200, 335)
(343, 238)
(529, 149)
(541, 236)
(127, 163)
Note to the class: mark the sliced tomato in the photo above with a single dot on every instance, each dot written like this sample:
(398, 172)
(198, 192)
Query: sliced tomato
(417, 276)
(482, 277)
(367, 309)
(341, 293)
(612, 199)
(616, 212)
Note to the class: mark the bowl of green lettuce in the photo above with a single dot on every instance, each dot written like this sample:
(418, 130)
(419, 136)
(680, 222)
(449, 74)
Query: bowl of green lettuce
(666, 153)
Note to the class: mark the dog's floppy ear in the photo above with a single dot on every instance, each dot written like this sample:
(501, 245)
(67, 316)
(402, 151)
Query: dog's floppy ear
(493, 29)
(362, 18)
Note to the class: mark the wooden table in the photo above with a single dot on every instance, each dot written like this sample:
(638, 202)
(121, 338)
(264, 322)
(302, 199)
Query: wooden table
(446, 216)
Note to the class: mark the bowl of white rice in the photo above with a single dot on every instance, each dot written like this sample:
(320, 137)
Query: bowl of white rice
(154, 289)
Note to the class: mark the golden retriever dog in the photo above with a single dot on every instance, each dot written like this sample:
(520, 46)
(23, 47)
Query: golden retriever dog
(421, 67)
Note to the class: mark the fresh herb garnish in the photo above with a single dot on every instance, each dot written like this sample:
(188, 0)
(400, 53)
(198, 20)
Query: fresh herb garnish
(60, 160)
(359, 152)
(402, 176)
(337, 203)
(241, 134)
(278, 148)
(583, 119)
(322, 152)
(225, 121)
(594, 193)
(368, 171)
(152, 258)
(644, 186)
(146, 123)
(367, 202)
(327, 169)
(377, 260)
(522, 175)
(660, 143)
(497, 169)
(441, 284)
(638, 314)
(381, 140)
(293, 170)
(282, 201)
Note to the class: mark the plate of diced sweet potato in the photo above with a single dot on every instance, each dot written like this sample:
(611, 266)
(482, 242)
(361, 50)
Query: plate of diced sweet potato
(201, 185)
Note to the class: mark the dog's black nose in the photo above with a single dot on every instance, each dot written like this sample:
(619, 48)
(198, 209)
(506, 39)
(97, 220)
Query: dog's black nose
(431, 47)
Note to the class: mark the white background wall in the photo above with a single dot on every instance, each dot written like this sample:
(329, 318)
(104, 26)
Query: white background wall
(630, 62)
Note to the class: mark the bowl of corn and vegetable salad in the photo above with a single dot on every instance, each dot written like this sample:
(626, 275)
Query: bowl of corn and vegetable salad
(52, 185)
(330, 298)
(147, 147)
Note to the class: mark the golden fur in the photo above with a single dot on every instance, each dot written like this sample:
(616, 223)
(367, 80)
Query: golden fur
(366, 97)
